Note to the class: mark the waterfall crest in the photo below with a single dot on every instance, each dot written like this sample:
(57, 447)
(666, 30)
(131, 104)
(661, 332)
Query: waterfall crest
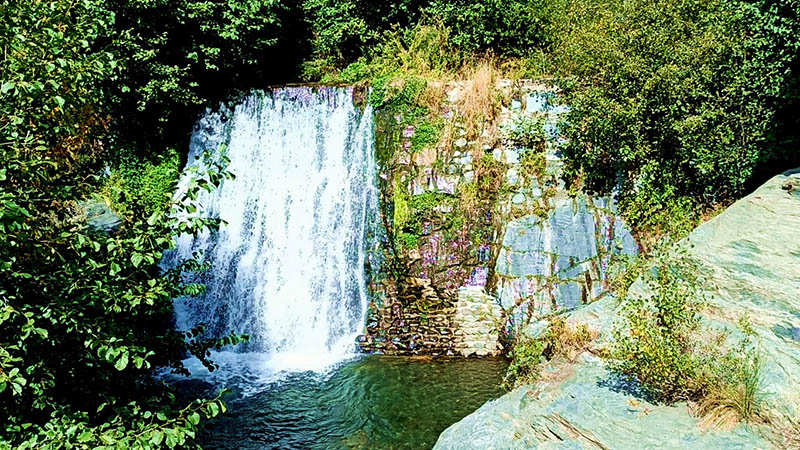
(288, 266)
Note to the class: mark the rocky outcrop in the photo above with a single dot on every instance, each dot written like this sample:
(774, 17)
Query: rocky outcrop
(100, 217)
(556, 253)
(751, 255)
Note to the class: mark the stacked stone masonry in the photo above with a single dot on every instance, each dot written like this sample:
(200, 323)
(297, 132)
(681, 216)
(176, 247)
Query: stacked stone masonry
(553, 252)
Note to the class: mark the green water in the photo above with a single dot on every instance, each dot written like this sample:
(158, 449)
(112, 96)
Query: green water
(376, 402)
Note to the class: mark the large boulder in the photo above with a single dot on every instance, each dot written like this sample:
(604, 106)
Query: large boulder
(751, 256)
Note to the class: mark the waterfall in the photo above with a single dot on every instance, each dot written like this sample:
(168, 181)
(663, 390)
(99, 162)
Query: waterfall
(288, 267)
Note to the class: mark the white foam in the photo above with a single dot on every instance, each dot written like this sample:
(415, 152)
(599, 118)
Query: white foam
(288, 268)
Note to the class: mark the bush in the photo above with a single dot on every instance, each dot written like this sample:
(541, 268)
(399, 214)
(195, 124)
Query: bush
(526, 357)
(528, 354)
(343, 31)
(508, 27)
(526, 132)
(137, 189)
(655, 342)
(661, 343)
(672, 98)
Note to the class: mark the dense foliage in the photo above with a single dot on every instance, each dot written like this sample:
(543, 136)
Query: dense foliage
(177, 55)
(676, 101)
(84, 316)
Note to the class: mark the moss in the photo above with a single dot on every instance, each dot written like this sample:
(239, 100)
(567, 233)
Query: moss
(427, 133)
(540, 211)
(408, 240)
(421, 209)
(400, 202)
(490, 177)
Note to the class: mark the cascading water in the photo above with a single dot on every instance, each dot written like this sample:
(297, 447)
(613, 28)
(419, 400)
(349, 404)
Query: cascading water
(288, 267)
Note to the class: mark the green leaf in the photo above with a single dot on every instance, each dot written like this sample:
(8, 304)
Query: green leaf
(136, 259)
(156, 437)
(213, 409)
(154, 218)
(7, 86)
(86, 436)
(122, 362)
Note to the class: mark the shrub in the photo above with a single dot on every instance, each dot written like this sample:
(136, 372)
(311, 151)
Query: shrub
(558, 341)
(509, 27)
(655, 343)
(660, 342)
(345, 30)
(139, 188)
(526, 132)
(672, 99)
(526, 356)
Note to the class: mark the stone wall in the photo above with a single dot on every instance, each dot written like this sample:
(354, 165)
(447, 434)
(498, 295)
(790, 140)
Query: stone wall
(529, 249)
(478, 320)
(466, 327)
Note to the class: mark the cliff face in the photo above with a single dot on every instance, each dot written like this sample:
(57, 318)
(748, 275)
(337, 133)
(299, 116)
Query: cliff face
(751, 256)
(482, 235)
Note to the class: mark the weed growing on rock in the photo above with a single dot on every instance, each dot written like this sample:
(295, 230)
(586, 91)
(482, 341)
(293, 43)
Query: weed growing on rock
(526, 357)
(558, 341)
(661, 342)
(733, 391)
(478, 104)
(526, 132)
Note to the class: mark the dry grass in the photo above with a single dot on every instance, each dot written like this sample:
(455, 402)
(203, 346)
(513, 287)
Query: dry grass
(433, 97)
(478, 104)
(569, 342)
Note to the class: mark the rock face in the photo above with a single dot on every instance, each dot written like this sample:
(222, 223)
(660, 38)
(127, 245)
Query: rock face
(534, 248)
(560, 262)
(751, 253)
(557, 257)
(100, 217)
